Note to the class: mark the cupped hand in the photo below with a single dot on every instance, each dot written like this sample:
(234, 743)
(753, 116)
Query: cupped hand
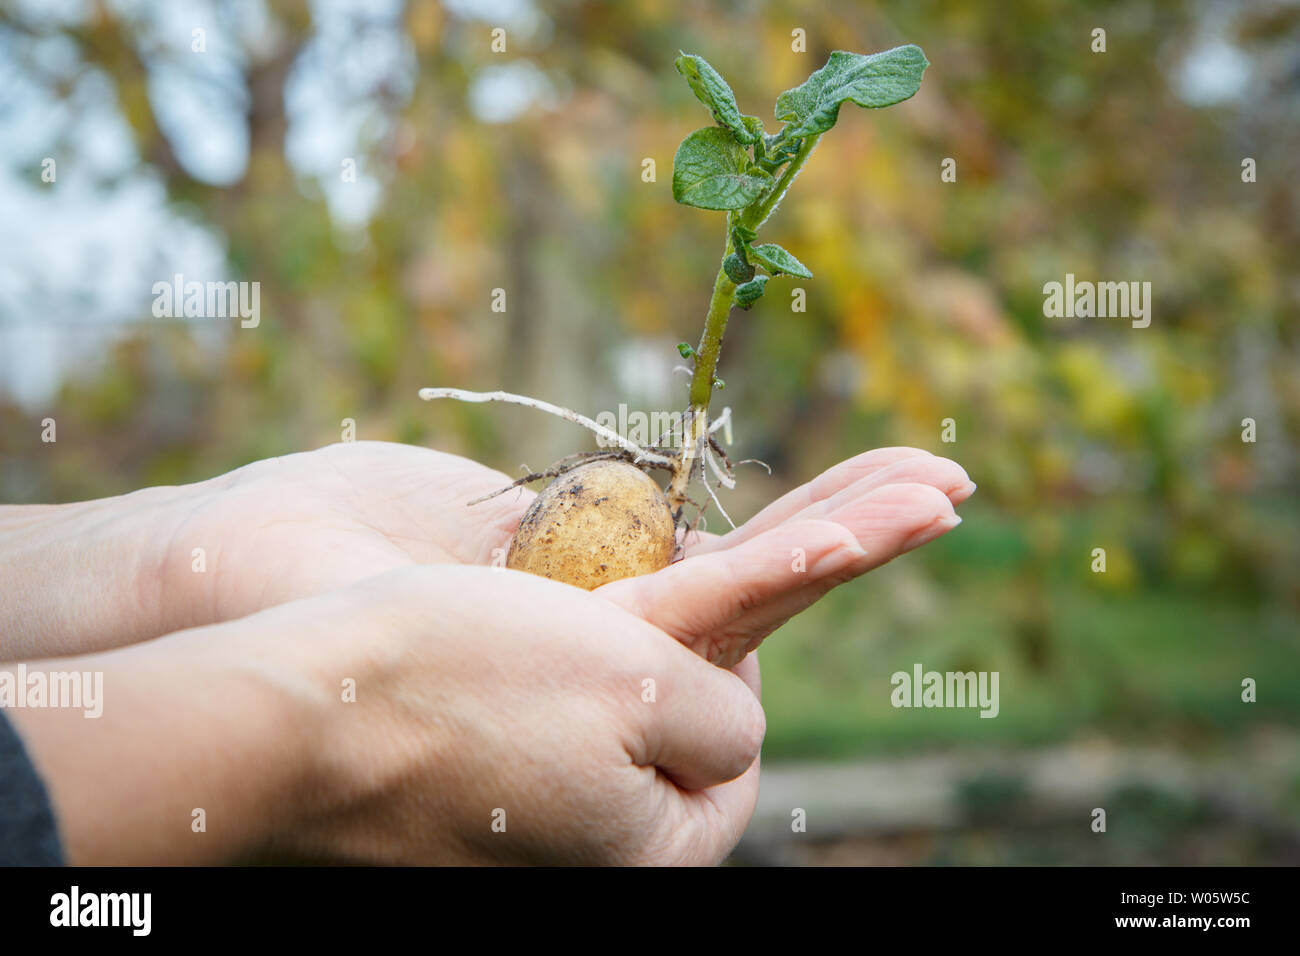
(297, 525)
(565, 729)
(430, 714)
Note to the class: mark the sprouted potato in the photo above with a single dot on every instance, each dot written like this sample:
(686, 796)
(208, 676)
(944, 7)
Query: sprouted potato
(605, 518)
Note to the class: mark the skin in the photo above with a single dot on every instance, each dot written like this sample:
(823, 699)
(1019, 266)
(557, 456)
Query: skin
(476, 688)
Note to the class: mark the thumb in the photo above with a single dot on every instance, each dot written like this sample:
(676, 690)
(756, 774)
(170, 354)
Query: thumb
(722, 604)
(715, 603)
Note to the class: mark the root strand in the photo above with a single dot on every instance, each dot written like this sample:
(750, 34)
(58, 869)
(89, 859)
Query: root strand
(568, 414)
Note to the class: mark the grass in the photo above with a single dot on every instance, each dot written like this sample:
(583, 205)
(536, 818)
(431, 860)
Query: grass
(1075, 656)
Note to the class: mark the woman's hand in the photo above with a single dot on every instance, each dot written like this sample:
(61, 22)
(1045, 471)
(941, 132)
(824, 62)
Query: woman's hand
(298, 525)
(304, 523)
(338, 514)
(94, 575)
(426, 715)
(477, 688)
(733, 590)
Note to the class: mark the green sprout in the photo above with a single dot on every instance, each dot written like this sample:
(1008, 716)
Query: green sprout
(737, 167)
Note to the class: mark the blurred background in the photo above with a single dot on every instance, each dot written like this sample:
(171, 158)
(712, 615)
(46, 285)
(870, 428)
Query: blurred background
(522, 170)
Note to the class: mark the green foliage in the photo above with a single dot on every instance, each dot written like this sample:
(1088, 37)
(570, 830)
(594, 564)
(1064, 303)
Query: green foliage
(713, 171)
(730, 166)
(875, 81)
(750, 292)
(712, 90)
(736, 166)
(777, 261)
(741, 237)
(737, 269)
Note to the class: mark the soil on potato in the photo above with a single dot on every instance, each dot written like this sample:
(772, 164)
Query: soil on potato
(600, 522)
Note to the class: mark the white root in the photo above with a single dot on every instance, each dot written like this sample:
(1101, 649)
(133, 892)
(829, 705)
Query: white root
(650, 455)
(461, 395)
(722, 421)
(723, 478)
(722, 510)
(706, 455)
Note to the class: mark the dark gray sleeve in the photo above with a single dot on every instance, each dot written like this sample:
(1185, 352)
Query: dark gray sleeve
(28, 833)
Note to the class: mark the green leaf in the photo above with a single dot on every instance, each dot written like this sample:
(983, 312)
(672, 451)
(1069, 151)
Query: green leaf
(710, 172)
(750, 292)
(776, 260)
(737, 269)
(684, 349)
(780, 149)
(742, 236)
(712, 90)
(875, 81)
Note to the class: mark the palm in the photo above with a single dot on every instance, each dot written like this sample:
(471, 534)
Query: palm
(301, 524)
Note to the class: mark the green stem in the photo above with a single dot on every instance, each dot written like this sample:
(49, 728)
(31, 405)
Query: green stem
(758, 214)
(715, 324)
(706, 362)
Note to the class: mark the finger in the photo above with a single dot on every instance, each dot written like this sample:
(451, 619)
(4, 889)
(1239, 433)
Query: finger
(697, 600)
(823, 486)
(704, 826)
(941, 473)
(889, 522)
(704, 725)
(708, 824)
(722, 604)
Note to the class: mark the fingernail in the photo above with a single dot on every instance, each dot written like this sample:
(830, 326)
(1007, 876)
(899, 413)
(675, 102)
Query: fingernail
(931, 531)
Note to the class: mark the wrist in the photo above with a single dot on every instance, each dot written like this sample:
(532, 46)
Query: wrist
(355, 681)
(86, 576)
(201, 752)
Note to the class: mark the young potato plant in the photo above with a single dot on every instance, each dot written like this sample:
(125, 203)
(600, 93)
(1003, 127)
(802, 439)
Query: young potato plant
(602, 518)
